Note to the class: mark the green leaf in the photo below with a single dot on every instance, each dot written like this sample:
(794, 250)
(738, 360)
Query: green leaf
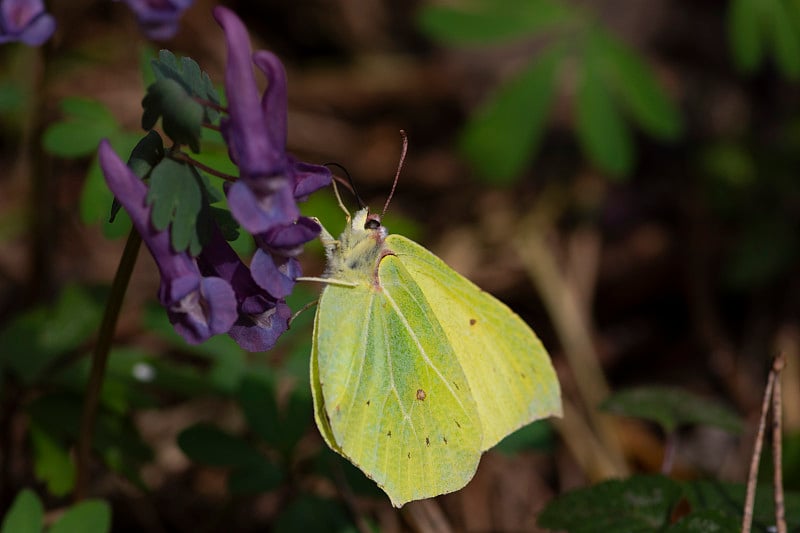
(176, 198)
(95, 195)
(85, 123)
(707, 521)
(33, 340)
(90, 516)
(744, 33)
(255, 478)
(256, 396)
(25, 515)
(601, 129)
(633, 505)
(187, 73)
(728, 498)
(535, 436)
(181, 116)
(503, 136)
(784, 32)
(147, 152)
(671, 408)
(52, 463)
(310, 513)
(486, 21)
(210, 445)
(636, 86)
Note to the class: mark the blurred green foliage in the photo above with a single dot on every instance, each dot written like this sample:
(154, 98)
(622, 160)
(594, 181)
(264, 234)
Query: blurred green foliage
(615, 88)
(26, 515)
(658, 503)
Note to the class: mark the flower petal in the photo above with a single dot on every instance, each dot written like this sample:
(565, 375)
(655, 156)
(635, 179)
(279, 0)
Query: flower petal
(274, 275)
(258, 333)
(246, 130)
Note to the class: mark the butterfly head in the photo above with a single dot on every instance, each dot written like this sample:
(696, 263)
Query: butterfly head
(366, 225)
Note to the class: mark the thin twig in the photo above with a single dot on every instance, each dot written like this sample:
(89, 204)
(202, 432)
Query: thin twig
(777, 446)
(213, 105)
(105, 338)
(180, 156)
(747, 518)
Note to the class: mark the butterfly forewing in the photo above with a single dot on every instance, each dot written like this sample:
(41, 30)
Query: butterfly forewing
(507, 368)
(396, 398)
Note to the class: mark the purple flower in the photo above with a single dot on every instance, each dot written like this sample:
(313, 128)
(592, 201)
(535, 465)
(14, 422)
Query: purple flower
(262, 318)
(271, 180)
(158, 18)
(198, 306)
(25, 21)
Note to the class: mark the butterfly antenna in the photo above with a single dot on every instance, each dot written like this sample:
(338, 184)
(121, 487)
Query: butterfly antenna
(397, 174)
(349, 185)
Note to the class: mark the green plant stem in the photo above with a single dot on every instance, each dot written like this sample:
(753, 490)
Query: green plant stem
(100, 359)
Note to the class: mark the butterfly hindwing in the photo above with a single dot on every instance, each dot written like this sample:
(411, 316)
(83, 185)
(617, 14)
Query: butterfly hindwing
(508, 370)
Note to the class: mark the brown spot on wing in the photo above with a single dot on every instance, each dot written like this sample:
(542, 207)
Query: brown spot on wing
(427, 441)
(472, 321)
(421, 395)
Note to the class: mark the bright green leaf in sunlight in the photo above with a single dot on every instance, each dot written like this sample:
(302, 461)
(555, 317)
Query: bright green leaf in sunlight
(488, 21)
(671, 408)
(52, 462)
(85, 123)
(602, 131)
(89, 516)
(637, 504)
(502, 137)
(636, 86)
(25, 515)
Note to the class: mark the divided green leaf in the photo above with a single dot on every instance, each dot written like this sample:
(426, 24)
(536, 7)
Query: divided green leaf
(181, 115)
(636, 86)
(179, 197)
(85, 123)
(671, 408)
(485, 21)
(502, 137)
(602, 131)
(188, 73)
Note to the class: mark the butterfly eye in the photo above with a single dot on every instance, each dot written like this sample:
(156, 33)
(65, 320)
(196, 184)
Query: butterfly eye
(372, 223)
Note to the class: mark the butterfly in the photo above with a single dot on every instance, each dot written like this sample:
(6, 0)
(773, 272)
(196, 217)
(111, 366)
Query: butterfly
(416, 371)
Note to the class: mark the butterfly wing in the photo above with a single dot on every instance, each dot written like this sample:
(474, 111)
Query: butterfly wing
(389, 392)
(509, 372)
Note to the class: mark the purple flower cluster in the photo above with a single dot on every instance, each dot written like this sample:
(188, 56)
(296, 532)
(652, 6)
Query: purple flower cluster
(271, 181)
(25, 21)
(158, 18)
(216, 292)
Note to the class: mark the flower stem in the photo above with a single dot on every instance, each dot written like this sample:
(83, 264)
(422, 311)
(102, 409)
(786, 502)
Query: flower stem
(180, 156)
(99, 359)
